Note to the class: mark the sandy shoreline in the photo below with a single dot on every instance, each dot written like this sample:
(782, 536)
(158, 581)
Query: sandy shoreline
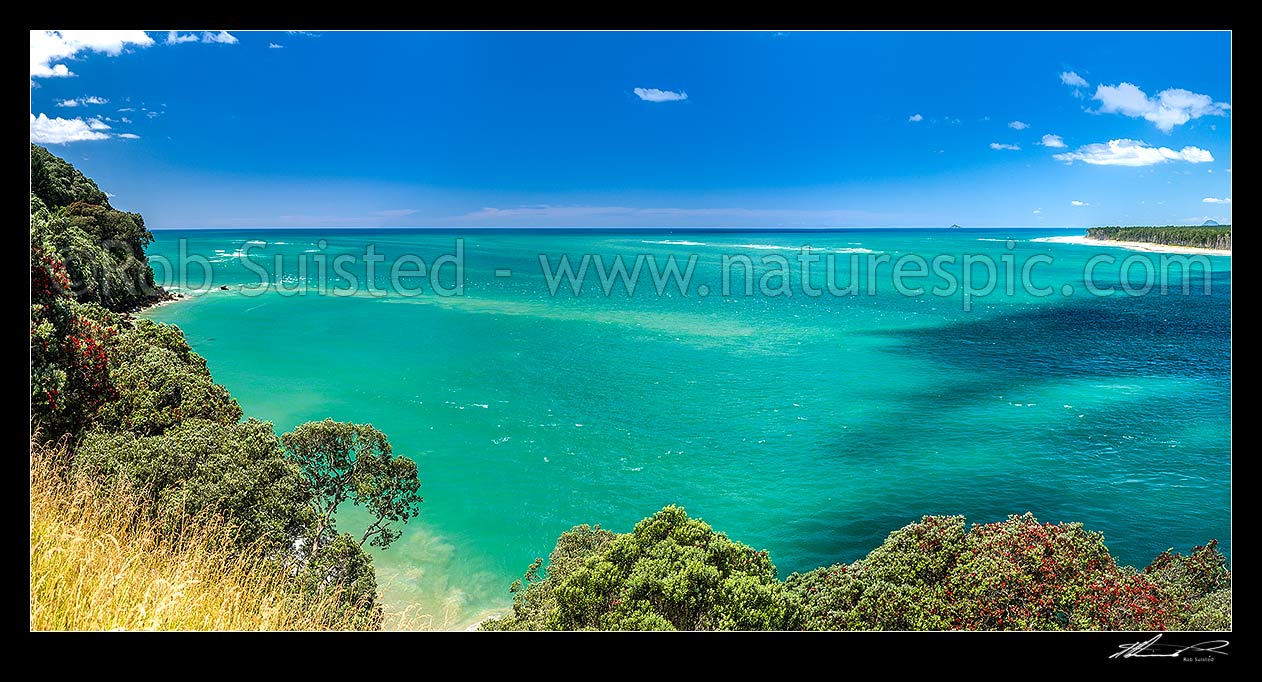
(177, 298)
(1134, 246)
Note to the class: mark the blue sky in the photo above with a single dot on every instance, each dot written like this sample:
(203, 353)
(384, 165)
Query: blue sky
(797, 129)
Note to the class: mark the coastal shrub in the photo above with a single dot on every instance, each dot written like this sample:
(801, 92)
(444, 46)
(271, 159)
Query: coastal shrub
(94, 274)
(69, 352)
(101, 247)
(1199, 583)
(160, 382)
(1211, 612)
(236, 470)
(900, 585)
(240, 473)
(535, 596)
(669, 573)
(1017, 574)
(1025, 575)
(57, 183)
(118, 230)
(672, 572)
(339, 577)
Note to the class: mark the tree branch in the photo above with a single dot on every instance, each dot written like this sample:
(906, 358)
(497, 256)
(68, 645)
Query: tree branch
(374, 529)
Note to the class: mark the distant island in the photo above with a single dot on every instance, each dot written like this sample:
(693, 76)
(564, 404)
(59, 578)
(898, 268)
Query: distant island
(1210, 223)
(1208, 236)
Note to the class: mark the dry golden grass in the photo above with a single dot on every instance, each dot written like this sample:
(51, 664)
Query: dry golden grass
(98, 564)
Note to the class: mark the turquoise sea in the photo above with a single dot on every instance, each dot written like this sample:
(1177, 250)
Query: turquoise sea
(810, 426)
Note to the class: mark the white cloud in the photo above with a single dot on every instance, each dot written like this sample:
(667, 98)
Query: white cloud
(62, 130)
(1050, 140)
(274, 46)
(175, 38)
(1132, 153)
(395, 212)
(97, 124)
(129, 136)
(1038, 211)
(1008, 147)
(915, 118)
(309, 34)
(82, 101)
(124, 119)
(1228, 170)
(1018, 125)
(655, 95)
(126, 109)
(1169, 108)
(1072, 79)
(1075, 202)
(48, 47)
(1216, 200)
(220, 37)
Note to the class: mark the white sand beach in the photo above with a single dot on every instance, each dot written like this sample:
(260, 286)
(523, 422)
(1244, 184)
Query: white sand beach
(178, 298)
(1134, 246)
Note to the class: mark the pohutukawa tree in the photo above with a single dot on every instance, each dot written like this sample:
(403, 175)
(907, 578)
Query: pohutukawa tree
(342, 461)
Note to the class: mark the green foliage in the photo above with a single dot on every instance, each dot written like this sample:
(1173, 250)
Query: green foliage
(343, 566)
(535, 597)
(1206, 237)
(341, 462)
(669, 573)
(1018, 574)
(237, 470)
(101, 248)
(69, 346)
(92, 274)
(898, 586)
(1211, 612)
(1199, 583)
(57, 183)
(672, 572)
(116, 229)
(160, 382)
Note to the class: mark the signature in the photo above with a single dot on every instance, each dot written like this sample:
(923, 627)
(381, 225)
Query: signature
(1153, 649)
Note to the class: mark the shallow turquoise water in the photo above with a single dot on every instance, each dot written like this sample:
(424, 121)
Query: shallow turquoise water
(809, 426)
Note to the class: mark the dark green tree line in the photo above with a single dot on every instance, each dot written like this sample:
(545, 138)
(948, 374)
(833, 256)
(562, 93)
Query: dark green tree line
(1207, 237)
